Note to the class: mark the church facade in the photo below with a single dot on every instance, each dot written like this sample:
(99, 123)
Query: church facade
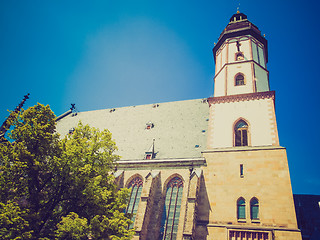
(208, 168)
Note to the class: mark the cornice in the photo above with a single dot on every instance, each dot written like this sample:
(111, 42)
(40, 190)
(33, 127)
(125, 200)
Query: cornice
(169, 162)
(241, 97)
(246, 227)
(245, 30)
(245, 148)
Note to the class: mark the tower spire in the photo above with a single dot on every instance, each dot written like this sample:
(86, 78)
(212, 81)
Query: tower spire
(238, 11)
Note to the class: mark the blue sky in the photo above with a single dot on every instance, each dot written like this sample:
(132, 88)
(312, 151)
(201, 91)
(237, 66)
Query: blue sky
(105, 54)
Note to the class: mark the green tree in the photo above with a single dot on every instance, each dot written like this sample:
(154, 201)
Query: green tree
(60, 188)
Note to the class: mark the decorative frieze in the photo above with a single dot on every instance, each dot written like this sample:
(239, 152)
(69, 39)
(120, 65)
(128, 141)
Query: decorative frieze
(241, 97)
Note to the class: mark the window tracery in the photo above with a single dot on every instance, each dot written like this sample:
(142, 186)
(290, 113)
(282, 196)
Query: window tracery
(239, 80)
(136, 188)
(171, 210)
(241, 133)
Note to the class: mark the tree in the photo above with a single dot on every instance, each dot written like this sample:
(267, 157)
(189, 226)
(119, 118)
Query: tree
(60, 188)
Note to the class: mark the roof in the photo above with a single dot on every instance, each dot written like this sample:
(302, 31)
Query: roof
(179, 128)
(239, 25)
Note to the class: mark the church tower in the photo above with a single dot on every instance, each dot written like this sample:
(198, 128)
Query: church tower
(246, 190)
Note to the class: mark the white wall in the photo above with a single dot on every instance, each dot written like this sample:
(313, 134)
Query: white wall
(258, 114)
(219, 84)
(256, 77)
(233, 70)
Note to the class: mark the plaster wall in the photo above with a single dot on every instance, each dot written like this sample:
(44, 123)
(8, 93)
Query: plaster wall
(244, 68)
(244, 48)
(259, 115)
(261, 57)
(254, 51)
(258, 53)
(224, 56)
(220, 83)
(261, 77)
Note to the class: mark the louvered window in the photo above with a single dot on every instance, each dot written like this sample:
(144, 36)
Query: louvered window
(171, 211)
(241, 208)
(136, 189)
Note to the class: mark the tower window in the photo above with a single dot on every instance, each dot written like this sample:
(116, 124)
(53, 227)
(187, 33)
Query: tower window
(136, 189)
(241, 134)
(239, 80)
(254, 209)
(239, 56)
(241, 208)
(171, 210)
(241, 170)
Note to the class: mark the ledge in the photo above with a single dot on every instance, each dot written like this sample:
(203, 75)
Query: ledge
(239, 149)
(168, 162)
(246, 227)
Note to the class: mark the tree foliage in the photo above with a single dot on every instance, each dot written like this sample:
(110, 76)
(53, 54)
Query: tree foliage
(52, 188)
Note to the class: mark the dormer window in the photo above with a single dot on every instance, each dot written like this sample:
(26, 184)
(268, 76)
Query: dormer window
(150, 154)
(149, 125)
(239, 56)
(239, 79)
(71, 131)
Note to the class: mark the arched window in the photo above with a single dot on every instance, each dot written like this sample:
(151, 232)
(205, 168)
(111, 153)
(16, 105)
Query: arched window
(171, 210)
(239, 56)
(241, 208)
(241, 134)
(136, 188)
(254, 209)
(239, 80)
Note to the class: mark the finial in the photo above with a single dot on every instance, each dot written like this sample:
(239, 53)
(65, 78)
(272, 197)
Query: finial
(238, 8)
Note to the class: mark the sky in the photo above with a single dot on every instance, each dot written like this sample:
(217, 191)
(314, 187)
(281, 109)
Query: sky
(109, 54)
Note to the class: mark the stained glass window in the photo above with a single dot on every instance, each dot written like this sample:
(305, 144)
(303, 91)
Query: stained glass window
(241, 133)
(171, 210)
(254, 208)
(136, 189)
(241, 208)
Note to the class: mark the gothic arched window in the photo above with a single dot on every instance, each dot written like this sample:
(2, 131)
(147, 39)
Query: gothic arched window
(171, 210)
(254, 208)
(136, 187)
(241, 208)
(241, 133)
(239, 80)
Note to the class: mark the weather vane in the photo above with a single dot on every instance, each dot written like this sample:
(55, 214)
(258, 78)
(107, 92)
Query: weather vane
(238, 8)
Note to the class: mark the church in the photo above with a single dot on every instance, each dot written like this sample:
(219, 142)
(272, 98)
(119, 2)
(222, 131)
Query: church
(208, 168)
